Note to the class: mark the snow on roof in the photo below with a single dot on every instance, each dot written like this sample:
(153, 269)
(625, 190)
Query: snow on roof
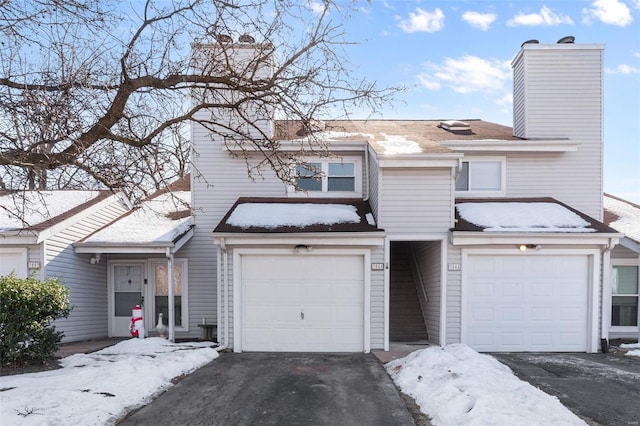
(29, 208)
(628, 216)
(274, 215)
(149, 223)
(398, 144)
(523, 217)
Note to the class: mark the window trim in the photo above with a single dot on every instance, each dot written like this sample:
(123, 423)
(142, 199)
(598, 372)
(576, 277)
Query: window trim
(476, 193)
(622, 328)
(185, 290)
(325, 193)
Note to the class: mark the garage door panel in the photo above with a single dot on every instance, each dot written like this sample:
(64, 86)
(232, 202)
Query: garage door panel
(533, 303)
(305, 303)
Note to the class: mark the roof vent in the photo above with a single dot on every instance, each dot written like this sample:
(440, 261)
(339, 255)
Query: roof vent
(223, 38)
(246, 38)
(567, 40)
(532, 41)
(455, 126)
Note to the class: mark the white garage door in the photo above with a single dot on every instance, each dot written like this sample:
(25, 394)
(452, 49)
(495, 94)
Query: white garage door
(13, 261)
(525, 303)
(303, 303)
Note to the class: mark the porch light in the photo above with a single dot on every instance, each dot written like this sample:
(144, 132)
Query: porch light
(299, 247)
(524, 247)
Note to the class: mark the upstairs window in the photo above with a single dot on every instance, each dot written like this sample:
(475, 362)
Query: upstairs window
(485, 176)
(331, 177)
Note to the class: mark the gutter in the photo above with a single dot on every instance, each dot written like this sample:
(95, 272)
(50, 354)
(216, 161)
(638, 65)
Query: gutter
(606, 294)
(222, 273)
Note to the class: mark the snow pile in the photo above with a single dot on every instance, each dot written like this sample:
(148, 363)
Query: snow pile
(634, 349)
(274, 215)
(150, 222)
(30, 208)
(454, 385)
(628, 221)
(101, 387)
(523, 217)
(396, 144)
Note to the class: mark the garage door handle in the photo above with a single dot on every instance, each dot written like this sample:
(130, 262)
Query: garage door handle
(301, 315)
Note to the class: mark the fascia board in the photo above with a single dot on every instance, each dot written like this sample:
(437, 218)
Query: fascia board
(345, 239)
(18, 239)
(462, 238)
(123, 248)
(58, 227)
(555, 145)
(419, 161)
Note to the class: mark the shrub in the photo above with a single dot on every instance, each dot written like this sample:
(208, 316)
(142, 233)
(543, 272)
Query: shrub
(27, 308)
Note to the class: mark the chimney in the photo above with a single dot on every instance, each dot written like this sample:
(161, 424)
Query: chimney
(557, 89)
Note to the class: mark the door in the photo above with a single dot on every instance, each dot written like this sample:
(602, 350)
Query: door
(127, 291)
(527, 303)
(310, 303)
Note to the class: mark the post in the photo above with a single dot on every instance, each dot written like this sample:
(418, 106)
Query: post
(171, 314)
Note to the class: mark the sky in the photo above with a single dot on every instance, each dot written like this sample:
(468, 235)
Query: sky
(455, 58)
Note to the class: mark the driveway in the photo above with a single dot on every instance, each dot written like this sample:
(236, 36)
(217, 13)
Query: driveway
(603, 389)
(279, 389)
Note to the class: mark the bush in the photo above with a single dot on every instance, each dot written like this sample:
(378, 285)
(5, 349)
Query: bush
(27, 309)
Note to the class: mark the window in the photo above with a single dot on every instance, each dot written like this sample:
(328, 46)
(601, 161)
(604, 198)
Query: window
(335, 177)
(484, 176)
(161, 298)
(624, 290)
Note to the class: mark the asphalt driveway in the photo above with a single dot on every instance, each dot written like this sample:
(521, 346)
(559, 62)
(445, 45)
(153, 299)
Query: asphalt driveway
(280, 389)
(603, 389)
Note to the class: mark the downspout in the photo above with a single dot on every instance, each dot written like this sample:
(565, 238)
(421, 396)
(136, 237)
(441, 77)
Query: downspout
(223, 291)
(366, 172)
(606, 296)
(171, 308)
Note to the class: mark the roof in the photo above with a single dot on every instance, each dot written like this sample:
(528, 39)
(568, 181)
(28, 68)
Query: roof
(294, 215)
(159, 221)
(511, 215)
(623, 216)
(396, 136)
(39, 210)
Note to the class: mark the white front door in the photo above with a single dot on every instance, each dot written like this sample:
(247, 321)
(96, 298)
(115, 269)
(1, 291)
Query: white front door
(127, 291)
(527, 303)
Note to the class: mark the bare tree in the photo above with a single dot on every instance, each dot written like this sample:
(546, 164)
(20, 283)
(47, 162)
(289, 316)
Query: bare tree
(97, 93)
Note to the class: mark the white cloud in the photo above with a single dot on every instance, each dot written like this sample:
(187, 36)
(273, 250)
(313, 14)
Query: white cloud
(423, 21)
(546, 17)
(316, 7)
(636, 54)
(623, 69)
(479, 20)
(467, 74)
(612, 12)
(506, 100)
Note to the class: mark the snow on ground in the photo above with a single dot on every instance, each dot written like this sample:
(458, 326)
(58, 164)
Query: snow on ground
(454, 385)
(522, 217)
(101, 387)
(273, 215)
(634, 349)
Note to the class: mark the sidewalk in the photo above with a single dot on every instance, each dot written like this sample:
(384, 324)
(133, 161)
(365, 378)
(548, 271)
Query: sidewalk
(86, 346)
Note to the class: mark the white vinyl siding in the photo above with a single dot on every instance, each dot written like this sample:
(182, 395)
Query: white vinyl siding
(87, 282)
(415, 200)
(377, 300)
(558, 94)
(453, 298)
(428, 256)
(373, 184)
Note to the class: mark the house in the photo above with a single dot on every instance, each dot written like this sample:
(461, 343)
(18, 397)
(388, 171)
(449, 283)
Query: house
(428, 230)
(37, 232)
(622, 295)
(446, 230)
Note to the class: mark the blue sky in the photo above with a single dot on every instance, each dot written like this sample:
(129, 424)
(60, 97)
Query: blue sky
(456, 57)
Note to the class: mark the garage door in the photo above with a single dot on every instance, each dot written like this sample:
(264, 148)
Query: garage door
(303, 303)
(525, 303)
(13, 261)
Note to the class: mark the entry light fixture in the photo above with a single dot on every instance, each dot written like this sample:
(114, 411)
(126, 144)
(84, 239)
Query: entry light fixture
(95, 259)
(525, 247)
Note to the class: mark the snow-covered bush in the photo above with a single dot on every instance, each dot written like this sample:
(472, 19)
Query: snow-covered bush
(27, 308)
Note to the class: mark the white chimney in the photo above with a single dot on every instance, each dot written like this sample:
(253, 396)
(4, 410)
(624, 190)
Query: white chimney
(557, 89)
